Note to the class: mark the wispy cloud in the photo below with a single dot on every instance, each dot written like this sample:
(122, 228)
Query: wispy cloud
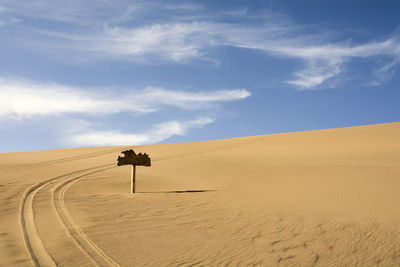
(386, 72)
(156, 134)
(111, 31)
(94, 13)
(185, 41)
(6, 17)
(175, 42)
(325, 62)
(23, 98)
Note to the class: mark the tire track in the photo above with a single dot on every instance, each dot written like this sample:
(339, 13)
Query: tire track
(79, 157)
(81, 239)
(33, 243)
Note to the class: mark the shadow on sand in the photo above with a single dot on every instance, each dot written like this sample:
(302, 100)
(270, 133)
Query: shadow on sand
(178, 191)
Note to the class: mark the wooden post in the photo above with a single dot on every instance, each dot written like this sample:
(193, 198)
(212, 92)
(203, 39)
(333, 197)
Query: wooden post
(131, 158)
(133, 178)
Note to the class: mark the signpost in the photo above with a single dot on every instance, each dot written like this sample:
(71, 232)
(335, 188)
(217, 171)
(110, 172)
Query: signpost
(131, 158)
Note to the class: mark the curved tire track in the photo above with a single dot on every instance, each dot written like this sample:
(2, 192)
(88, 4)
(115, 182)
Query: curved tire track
(82, 156)
(33, 243)
(81, 239)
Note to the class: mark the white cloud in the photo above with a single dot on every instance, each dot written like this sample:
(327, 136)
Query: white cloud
(184, 41)
(326, 61)
(157, 134)
(315, 74)
(386, 72)
(186, 36)
(26, 98)
(177, 42)
(188, 100)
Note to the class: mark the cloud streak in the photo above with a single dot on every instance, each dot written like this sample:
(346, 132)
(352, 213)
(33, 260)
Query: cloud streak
(185, 35)
(156, 134)
(23, 98)
(185, 41)
(6, 17)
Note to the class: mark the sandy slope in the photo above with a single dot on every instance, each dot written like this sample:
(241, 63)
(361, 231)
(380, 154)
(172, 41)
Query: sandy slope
(327, 197)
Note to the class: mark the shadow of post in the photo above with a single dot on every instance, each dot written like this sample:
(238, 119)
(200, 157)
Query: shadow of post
(178, 192)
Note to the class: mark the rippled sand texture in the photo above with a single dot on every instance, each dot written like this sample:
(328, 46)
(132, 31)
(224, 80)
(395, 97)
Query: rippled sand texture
(328, 197)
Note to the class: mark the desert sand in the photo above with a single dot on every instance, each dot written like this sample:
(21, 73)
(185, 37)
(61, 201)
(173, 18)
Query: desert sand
(323, 198)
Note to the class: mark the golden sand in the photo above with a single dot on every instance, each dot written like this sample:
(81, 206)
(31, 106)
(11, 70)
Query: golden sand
(324, 198)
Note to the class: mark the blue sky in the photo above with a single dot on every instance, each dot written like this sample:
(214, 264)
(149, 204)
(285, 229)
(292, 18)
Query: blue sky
(93, 73)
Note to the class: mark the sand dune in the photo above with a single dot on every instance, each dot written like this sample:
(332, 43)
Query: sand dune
(323, 198)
